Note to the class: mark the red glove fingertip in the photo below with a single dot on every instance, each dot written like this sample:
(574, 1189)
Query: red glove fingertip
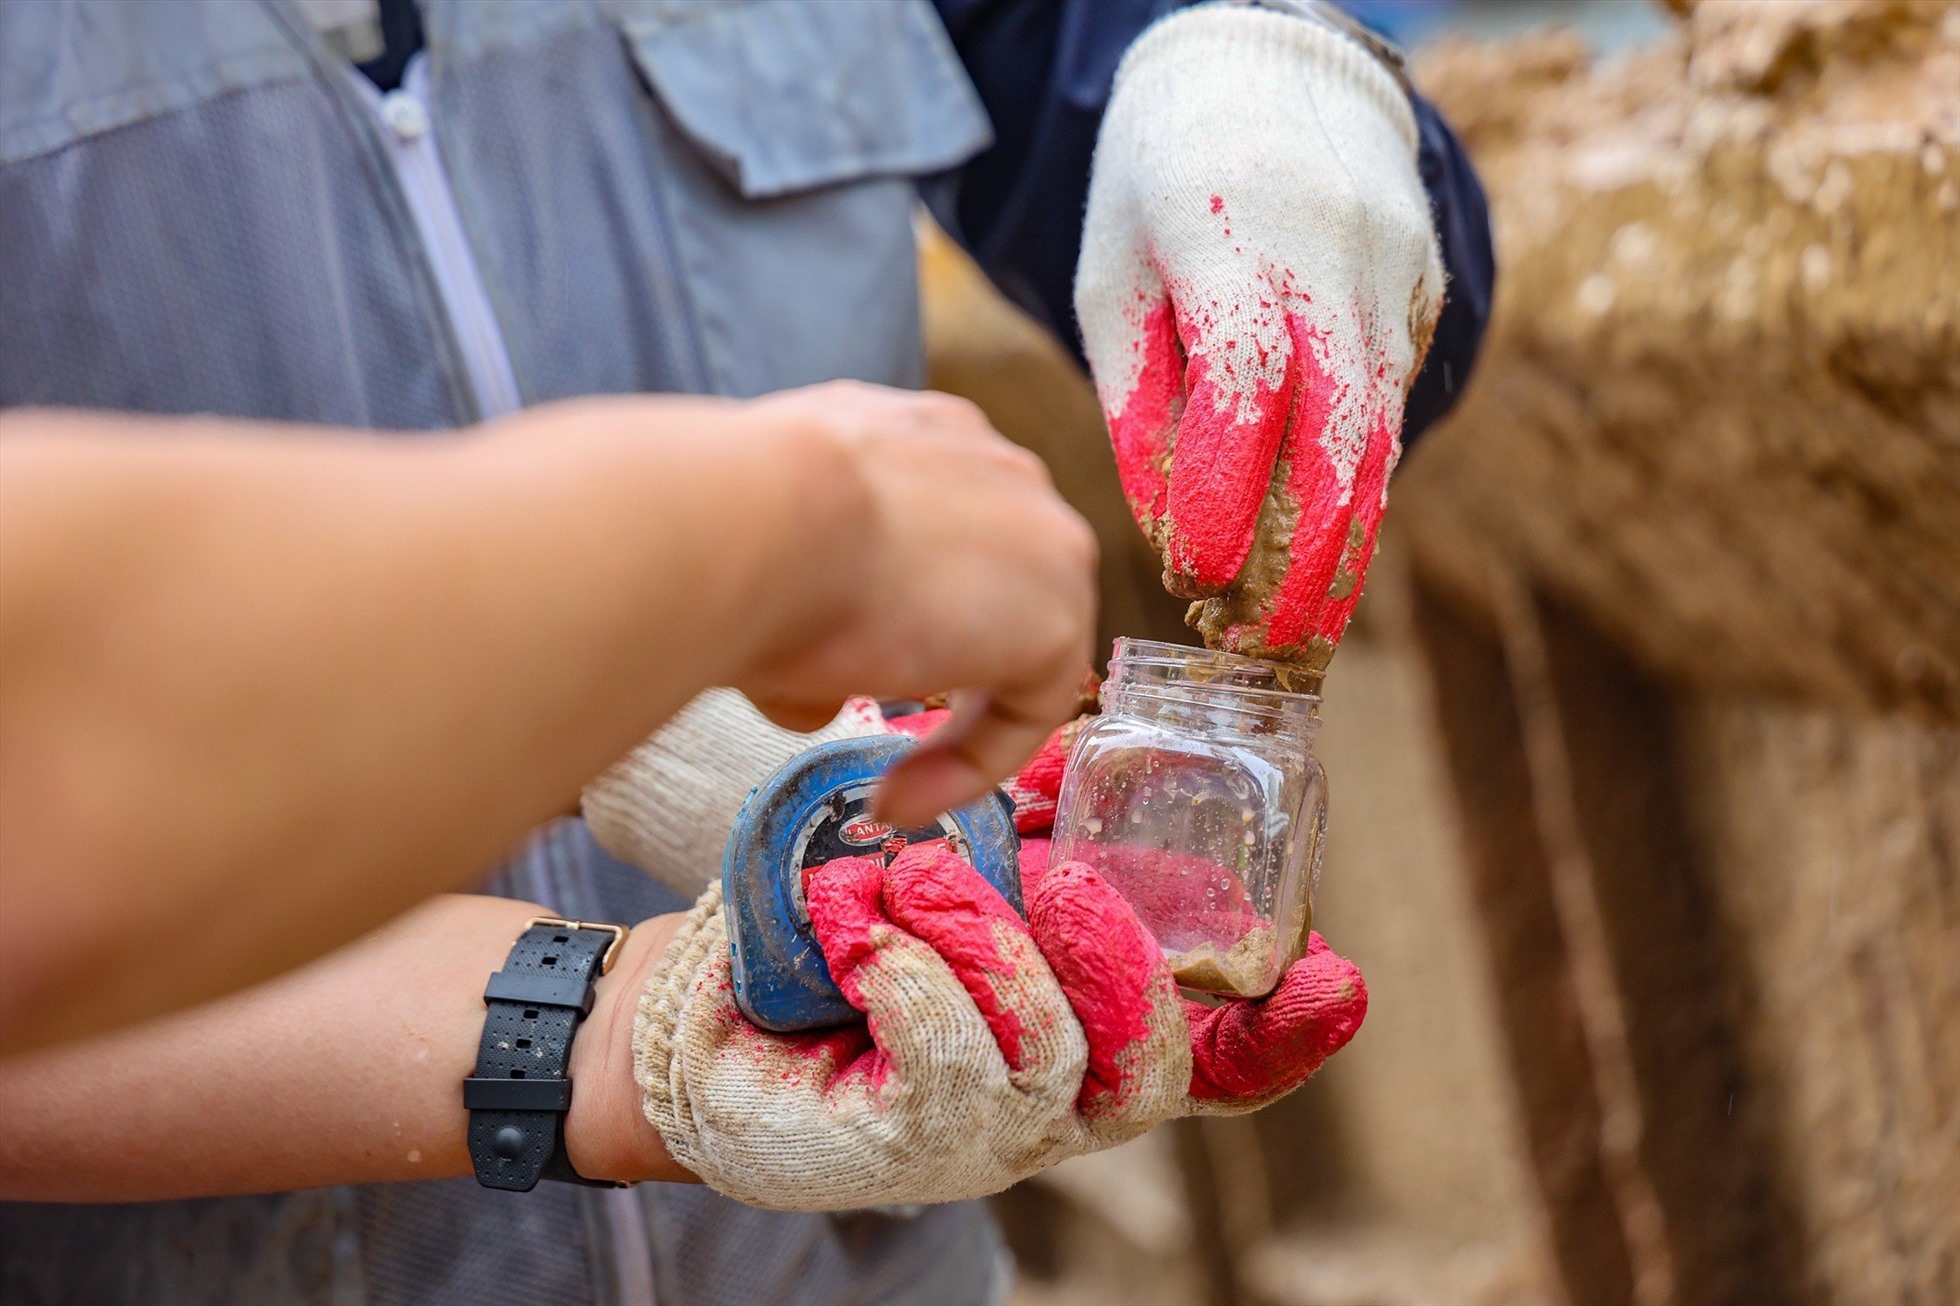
(1253, 1051)
(1221, 469)
(1037, 786)
(1334, 537)
(843, 898)
(1140, 430)
(1034, 864)
(929, 882)
(1107, 964)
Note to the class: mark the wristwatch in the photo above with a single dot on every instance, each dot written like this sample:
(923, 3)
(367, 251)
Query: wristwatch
(518, 1097)
(1333, 18)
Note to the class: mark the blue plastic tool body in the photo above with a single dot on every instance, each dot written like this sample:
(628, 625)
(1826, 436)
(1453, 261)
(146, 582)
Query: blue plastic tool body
(815, 809)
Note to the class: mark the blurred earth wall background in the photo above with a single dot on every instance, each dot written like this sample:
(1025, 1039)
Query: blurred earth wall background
(1645, 746)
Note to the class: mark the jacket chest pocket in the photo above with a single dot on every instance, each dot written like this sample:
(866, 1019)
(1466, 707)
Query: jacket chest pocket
(792, 136)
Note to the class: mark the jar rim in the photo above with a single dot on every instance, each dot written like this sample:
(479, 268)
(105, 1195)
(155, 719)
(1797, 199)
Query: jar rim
(1213, 669)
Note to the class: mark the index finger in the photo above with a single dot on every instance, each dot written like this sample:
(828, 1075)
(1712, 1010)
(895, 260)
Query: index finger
(983, 741)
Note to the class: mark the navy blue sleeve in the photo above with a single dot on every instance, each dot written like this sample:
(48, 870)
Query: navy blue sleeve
(1044, 70)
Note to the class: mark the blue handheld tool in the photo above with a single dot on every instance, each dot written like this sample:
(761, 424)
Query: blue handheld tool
(813, 810)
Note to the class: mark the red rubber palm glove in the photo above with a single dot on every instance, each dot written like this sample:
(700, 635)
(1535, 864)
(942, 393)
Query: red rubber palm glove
(1258, 282)
(992, 1047)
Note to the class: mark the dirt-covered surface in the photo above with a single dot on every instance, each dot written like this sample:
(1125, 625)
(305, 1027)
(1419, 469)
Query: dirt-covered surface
(1719, 409)
(1690, 555)
(1836, 845)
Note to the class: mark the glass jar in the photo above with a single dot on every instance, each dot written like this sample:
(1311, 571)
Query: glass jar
(1197, 795)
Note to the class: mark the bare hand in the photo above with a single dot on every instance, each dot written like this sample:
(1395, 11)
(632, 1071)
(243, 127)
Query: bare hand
(975, 578)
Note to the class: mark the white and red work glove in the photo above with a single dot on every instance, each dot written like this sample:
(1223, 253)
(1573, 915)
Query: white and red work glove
(1259, 280)
(991, 1047)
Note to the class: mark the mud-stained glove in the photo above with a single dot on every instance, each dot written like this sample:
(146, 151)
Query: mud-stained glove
(1259, 280)
(991, 1047)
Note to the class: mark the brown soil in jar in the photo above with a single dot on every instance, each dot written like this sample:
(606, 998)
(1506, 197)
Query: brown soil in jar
(1241, 972)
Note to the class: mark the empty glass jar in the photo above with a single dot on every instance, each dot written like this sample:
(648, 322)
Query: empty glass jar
(1197, 795)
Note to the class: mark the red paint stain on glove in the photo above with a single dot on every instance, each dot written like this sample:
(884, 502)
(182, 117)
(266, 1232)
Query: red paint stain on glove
(1328, 553)
(1140, 433)
(933, 896)
(830, 1058)
(1195, 445)
(1107, 965)
(1221, 464)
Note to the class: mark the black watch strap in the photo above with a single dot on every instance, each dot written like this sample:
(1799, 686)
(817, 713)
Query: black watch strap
(518, 1097)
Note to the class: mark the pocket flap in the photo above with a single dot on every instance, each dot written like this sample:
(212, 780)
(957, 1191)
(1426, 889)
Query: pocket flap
(788, 97)
(70, 71)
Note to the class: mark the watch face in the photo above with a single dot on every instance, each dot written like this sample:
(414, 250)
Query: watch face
(843, 826)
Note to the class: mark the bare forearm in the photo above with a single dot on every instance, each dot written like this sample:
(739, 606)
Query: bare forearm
(346, 1071)
(242, 669)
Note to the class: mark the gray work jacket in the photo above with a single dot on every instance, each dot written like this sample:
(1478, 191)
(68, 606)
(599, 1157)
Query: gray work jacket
(199, 213)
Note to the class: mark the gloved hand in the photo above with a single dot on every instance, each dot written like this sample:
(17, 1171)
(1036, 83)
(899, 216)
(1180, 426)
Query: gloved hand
(992, 1047)
(1258, 283)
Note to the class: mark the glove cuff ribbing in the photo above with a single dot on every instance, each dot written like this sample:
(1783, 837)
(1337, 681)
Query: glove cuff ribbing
(1254, 39)
(656, 1056)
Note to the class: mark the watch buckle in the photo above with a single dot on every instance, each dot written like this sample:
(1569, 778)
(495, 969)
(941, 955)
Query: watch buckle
(619, 933)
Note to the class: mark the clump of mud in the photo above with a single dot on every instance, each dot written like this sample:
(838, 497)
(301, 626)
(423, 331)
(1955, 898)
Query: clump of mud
(1245, 970)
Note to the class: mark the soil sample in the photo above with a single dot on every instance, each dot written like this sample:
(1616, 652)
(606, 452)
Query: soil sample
(1243, 971)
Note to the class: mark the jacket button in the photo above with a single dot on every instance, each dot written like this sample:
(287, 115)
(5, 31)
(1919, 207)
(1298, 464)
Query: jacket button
(405, 115)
